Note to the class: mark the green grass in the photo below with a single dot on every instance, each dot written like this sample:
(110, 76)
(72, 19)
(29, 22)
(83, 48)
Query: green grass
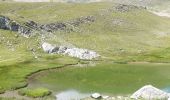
(16, 65)
(17, 61)
(108, 78)
(35, 93)
(14, 76)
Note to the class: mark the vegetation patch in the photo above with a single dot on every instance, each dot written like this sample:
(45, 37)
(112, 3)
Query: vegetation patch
(35, 93)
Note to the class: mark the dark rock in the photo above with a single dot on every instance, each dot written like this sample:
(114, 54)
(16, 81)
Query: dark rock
(4, 22)
(27, 28)
(31, 24)
(8, 24)
(62, 49)
(126, 8)
(82, 20)
(14, 26)
(53, 27)
(55, 49)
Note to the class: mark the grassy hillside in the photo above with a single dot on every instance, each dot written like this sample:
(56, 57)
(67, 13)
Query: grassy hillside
(114, 34)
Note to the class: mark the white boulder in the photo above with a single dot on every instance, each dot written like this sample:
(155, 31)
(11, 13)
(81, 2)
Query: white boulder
(48, 47)
(149, 92)
(105, 97)
(96, 95)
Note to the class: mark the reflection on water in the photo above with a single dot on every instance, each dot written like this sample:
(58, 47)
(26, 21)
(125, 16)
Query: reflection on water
(167, 89)
(71, 95)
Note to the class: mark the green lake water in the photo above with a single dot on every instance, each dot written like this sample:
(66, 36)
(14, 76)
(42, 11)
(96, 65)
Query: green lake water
(112, 79)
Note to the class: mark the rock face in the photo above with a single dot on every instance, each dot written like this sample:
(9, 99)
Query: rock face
(73, 52)
(149, 92)
(8, 24)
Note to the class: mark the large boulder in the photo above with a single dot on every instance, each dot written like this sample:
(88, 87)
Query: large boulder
(96, 96)
(49, 48)
(149, 92)
(14, 26)
(4, 22)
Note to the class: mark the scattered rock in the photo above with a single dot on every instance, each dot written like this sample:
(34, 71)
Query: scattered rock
(149, 92)
(96, 96)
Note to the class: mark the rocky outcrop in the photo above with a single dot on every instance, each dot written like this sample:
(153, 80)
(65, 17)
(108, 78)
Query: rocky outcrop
(66, 25)
(53, 27)
(82, 20)
(72, 52)
(8, 24)
(29, 27)
(126, 8)
(4, 22)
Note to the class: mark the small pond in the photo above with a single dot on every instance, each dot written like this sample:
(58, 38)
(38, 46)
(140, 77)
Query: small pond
(106, 78)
